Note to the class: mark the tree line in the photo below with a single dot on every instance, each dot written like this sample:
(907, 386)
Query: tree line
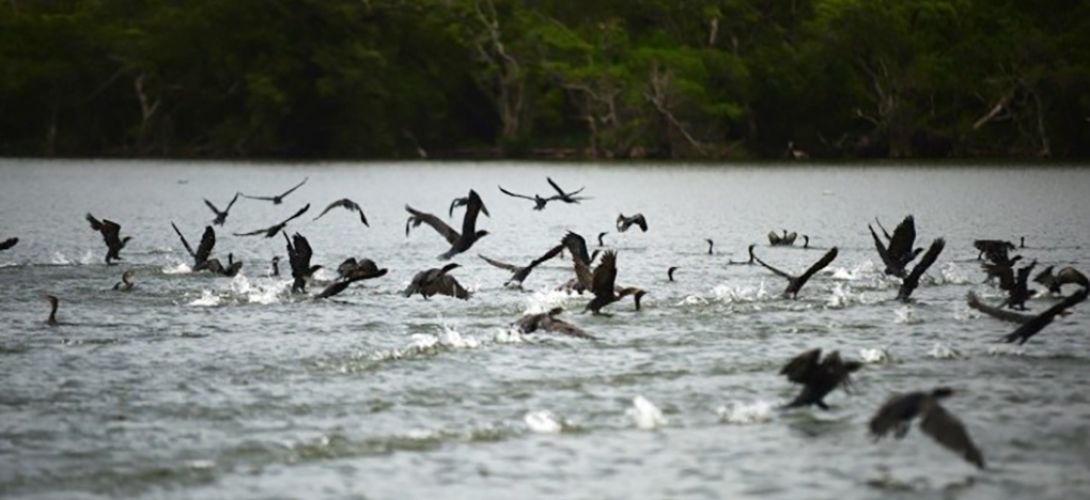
(693, 79)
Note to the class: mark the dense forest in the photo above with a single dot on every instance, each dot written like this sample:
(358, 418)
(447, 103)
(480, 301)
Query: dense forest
(693, 79)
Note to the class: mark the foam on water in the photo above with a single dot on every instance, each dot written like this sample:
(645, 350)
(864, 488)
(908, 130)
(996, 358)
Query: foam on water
(58, 259)
(842, 296)
(730, 294)
(542, 422)
(906, 315)
(546, 299)
(954, 275)
(747, 413)
(447, 338)
(875, 355)
(645, 414)
(258, 294)
(943, 351)
(207, 299)
(693, 300)
(178, 268)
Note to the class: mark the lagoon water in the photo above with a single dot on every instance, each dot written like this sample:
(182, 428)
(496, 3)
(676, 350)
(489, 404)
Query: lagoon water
(192, 386)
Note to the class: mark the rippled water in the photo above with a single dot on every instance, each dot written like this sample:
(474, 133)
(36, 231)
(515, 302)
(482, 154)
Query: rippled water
(195, 387)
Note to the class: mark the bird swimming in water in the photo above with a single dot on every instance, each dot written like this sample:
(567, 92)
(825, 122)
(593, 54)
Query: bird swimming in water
(670, 272)
(221, 215)
(623, 222)
(277, 199)
(522, 272)
(126, 282)
(216, 267)
(898, 411)
(539, 202)
(275, 266)
(600, 236)
(603, 284)
(752, 258)
(784, 240)
(8, 243)
(204, 250)
(548, 321)
(111, 234)
(1066, 276)
(818, 376)
(351, 271)
(271, 231)
(436, 281)
(711, 246)
(53, 304)
(566, 197)
(795, 283)
(1038, 322)
(459, 242)
(299, 255)
(909, 284)
(996, 312)
(899, 253)
(348, 205)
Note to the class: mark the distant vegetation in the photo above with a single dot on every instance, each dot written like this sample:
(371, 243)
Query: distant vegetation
(687, 79)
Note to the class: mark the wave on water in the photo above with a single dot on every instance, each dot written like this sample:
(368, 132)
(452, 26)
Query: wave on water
(542, 422)
(645, 414)
(747, 413)
(943, 351)
(423, 344)
(874, 356)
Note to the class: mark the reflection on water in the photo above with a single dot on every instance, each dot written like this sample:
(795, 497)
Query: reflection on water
(199, 386)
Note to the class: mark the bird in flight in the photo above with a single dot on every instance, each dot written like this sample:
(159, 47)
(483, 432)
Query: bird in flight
(459, 242)
(623, 222)
(522, 272)
(271, 231)
(897, 413)
(111, 234)
(348, 205)
(221, 215)
(913, 279)
(795, 283)
(277, 199)
(818, 376)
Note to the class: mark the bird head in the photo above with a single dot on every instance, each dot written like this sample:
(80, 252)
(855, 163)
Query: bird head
(942, 392)
(556, 310)
(451, 266)
(481, 233)
(125, 240)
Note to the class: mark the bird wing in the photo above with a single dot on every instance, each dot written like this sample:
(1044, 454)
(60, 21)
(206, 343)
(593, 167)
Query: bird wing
(211, 206)
(231, 203)
(473, 209)
(948, 431)
(302, 248)
(895, 413)
(557, 188)
(184, 242)
(301, 211)
(265, 198)
(883, 252)
(605, 275)
(334, 289)
(639, 220)
(819, 265)
(563, 327)
(8, 243)
(516, 195)
(343, 202)
(447, 285)
(553, 252)
(1070, 275)
(253, 233)
(880, 226)
(95, 223)
(801, 367)
(1038, 322)
(297, 186)
(441, 227)
(363, 218)
(928, 259)
(208, 241)
(577, 246)
(996, 312)
(770, 268)
(904, 236)
(501, 265)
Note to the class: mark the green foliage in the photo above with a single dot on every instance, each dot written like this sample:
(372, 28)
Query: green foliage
(612, 78)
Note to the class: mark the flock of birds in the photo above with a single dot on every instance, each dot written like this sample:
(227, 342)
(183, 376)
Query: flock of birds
(818, 375)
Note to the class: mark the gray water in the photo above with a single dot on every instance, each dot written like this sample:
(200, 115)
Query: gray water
(192, 386)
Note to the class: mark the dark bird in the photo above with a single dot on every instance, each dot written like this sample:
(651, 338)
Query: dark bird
(351, 271)
(600, 236)
(752, 258)
(996, 312)
(913, 279)
(539, 202)
(670, 272)
(898, 411)
(566, 197)
(53, 304)
(899, 252)
(818, 376)
(785, 240)
(1066, 276)
(603, 284)
(1019, 293)
(221, 215)
(275, 266)
(271, 231)
(711, 246)
(204, 250)
(111, 234)
(624, 222)
(548, 321)
(1004, 272)
(805, 241)
(8, 243)
(278, 198)
(520, 273)
(1038, 322)
(461, 202)
(216, 267)
(994, 250)
(299, 255)
(126, 282)
(436, 281)
(795, 283)
(459, 242)
(348, 205)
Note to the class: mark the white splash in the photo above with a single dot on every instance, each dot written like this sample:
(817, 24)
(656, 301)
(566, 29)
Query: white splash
(693, 300)
(645, 414)
(546, 299)
(728, 294)
(906, 315)
(954, 275)
(855, 273)
(180, 268)
(842, 296)
(87, 257)
(747, 413)
(59, 259)
(943, 351)
(207, 299)
(877, 355)
(510, 335)
(1007, 350)
(423, 343)
(258, 294)
(542, 422)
